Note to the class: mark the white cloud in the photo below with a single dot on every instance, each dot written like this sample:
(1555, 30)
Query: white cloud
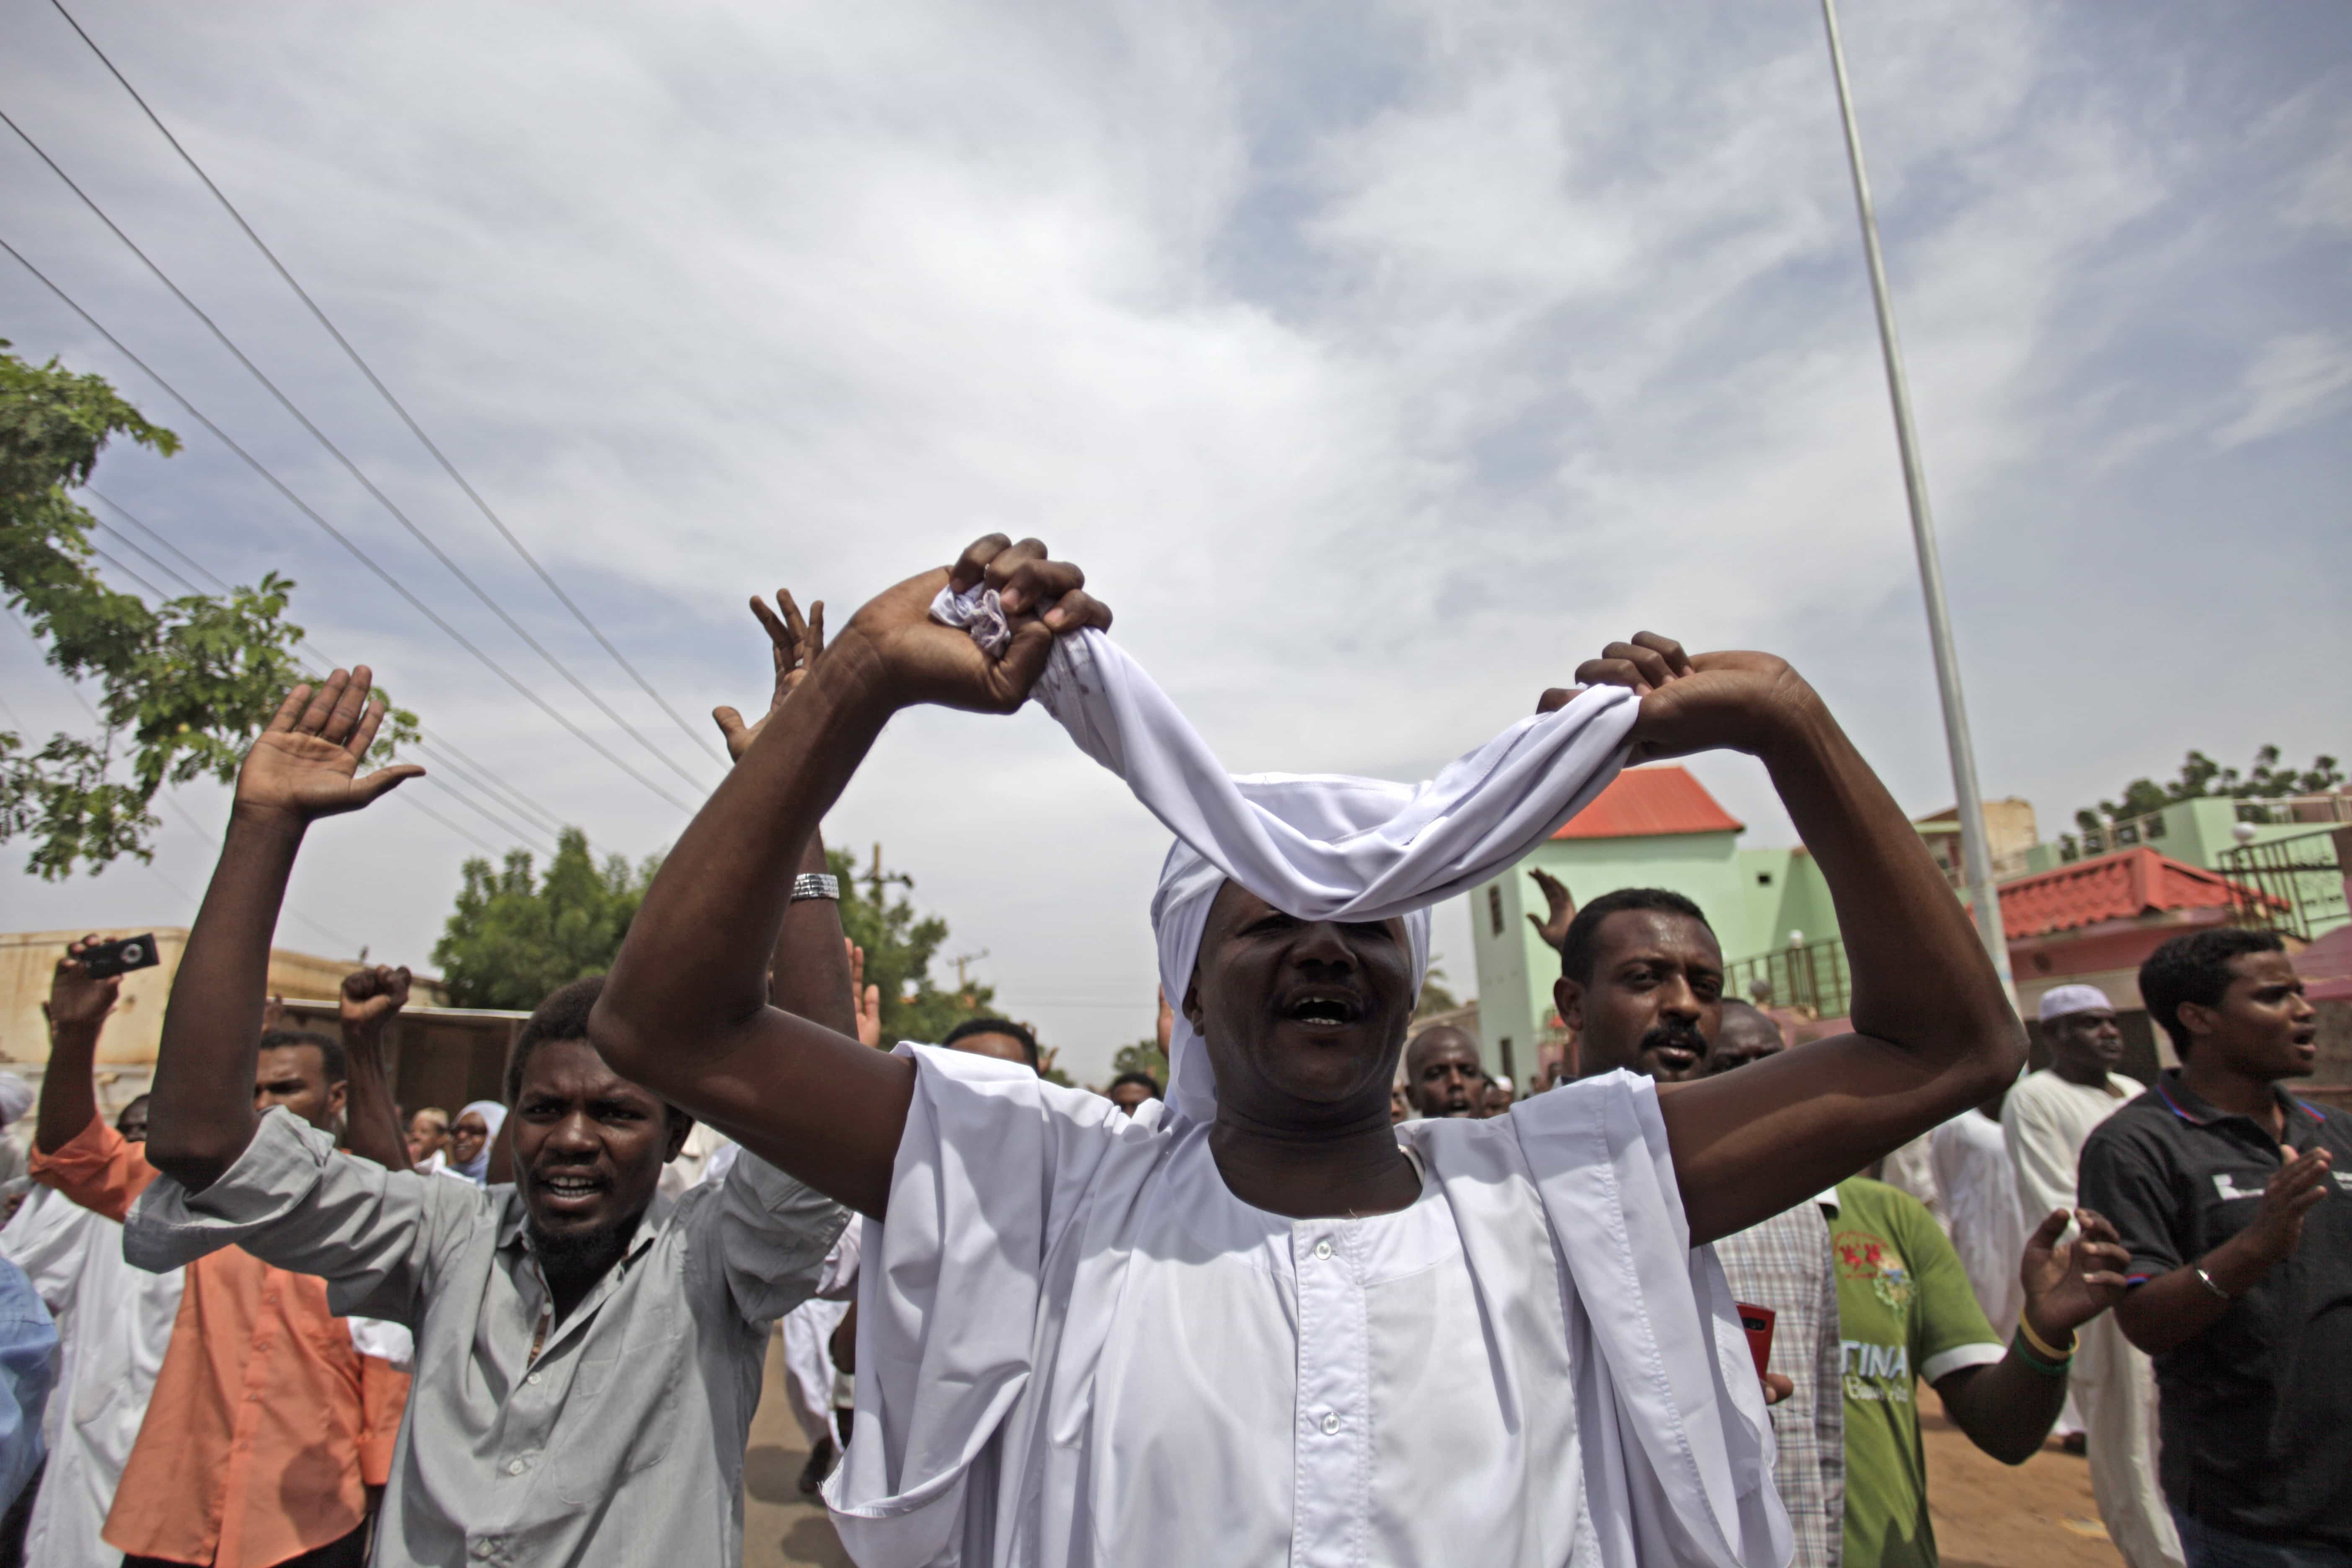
(1378, 368)
(2294, 379)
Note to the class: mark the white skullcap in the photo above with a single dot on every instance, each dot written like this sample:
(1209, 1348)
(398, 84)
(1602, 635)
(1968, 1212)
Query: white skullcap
(2061, 1000)
(15, 1097)
(1317, 848)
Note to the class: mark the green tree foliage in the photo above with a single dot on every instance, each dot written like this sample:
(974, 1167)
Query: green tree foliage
(184, 685)
(2201, 776)
(516, 936)
(899, 946)
(1144, 1056)
(1435, 996)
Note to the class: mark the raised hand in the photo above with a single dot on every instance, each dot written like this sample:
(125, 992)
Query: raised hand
(2287, 1199)
(1552, 927)
(920, 660)
(2069, 1283)
(304, 766)
(1694, 702)
(78, 999)
(794, 643)
(868, 998)
(372, 995)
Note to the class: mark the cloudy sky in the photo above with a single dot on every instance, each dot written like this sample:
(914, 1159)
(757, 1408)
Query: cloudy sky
(1380, 362)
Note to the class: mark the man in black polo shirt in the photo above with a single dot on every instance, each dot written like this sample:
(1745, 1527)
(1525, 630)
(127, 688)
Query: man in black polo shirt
(2226, 1193)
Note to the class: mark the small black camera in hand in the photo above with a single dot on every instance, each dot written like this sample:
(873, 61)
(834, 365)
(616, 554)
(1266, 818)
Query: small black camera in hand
(110, 958)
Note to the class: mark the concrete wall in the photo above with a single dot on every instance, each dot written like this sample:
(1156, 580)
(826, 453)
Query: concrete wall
(1509, 959)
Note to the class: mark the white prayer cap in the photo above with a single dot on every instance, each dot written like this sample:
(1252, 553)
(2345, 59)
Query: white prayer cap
(1323, 807)
(2061, 1000)
(16, 1097)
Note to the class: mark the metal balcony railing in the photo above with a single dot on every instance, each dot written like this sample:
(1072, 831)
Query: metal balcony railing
(2312, 808)
(2291, 886)
(1811, 976)
(2125, 833)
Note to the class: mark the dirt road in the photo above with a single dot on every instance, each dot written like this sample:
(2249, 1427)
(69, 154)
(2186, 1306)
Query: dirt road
(781, 1529)
(1986, 1515)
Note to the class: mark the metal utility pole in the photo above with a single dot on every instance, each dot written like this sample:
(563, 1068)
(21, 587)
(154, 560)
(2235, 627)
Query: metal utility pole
(1976, 857)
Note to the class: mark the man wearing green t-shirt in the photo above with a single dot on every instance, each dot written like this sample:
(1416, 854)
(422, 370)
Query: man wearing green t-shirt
(1906, 1311)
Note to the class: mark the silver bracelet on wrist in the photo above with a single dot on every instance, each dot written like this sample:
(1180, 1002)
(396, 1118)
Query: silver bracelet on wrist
(816, 885)
(2207, 1281)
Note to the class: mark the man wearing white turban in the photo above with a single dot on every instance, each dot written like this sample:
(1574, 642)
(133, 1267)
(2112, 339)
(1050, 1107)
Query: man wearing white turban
(2045, 1121)
(1261, 1323)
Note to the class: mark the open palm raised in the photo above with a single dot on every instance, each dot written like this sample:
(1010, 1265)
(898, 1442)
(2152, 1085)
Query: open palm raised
(305, 763)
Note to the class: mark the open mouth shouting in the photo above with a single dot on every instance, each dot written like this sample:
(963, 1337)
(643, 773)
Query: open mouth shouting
(569, 1190)
(1322, 1009)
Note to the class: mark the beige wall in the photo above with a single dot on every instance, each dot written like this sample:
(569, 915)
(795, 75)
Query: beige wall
(27, 959)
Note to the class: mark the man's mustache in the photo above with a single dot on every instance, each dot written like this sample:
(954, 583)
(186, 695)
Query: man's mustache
(1674, 1036)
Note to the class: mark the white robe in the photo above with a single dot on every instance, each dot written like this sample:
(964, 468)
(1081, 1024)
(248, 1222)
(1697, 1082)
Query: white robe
(114, 1323)
(1912, 1169)
(807, 1330)
(694, 1164)
(1075, 1346)
(2046, 1121)
(1970, 1158)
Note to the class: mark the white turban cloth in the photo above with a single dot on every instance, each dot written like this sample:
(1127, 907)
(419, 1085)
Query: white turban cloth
(15, 1097)
(1316, 847)
(2061, 1000)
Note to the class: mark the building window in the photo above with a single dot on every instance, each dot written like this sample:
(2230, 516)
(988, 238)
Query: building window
(1763, 878)
(1494, 907)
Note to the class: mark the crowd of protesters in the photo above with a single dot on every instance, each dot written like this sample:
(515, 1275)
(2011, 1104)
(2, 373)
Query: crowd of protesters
(265, 1317)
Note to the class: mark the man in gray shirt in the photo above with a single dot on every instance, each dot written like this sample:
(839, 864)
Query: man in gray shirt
(588, 1359)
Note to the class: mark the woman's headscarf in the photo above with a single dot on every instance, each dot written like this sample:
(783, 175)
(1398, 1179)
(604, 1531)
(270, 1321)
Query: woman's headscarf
(494, 1116)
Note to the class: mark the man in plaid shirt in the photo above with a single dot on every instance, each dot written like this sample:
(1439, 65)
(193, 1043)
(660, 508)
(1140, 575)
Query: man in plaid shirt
(1784, 1264)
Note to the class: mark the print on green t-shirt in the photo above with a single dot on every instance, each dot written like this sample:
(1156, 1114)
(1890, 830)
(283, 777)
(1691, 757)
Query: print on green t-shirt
(1905, 1308)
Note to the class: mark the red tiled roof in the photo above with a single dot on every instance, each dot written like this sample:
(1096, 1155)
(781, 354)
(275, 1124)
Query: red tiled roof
(2329, 958)
(2111, 886)
(1641, 803)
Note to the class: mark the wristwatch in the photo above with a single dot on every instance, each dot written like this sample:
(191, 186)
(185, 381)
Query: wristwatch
(816, 885)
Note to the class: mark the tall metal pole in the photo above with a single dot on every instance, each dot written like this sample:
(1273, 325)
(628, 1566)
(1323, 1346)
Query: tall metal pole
(1975, 856)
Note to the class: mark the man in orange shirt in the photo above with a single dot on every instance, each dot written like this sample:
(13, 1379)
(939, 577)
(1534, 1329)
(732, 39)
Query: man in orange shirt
(269, 1434)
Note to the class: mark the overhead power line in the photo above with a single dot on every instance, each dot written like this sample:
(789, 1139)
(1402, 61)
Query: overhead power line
(430, 747)
(349, 467)
(170, 799)
(500, 823)
(335, 533)
(691, 732)
(127, 571)
(186, 560)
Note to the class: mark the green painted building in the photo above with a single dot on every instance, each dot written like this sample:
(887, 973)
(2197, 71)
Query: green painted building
(1651, 827)
(1658, 827)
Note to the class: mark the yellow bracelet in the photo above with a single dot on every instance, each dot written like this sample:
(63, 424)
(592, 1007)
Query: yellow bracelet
(2044, 1349)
